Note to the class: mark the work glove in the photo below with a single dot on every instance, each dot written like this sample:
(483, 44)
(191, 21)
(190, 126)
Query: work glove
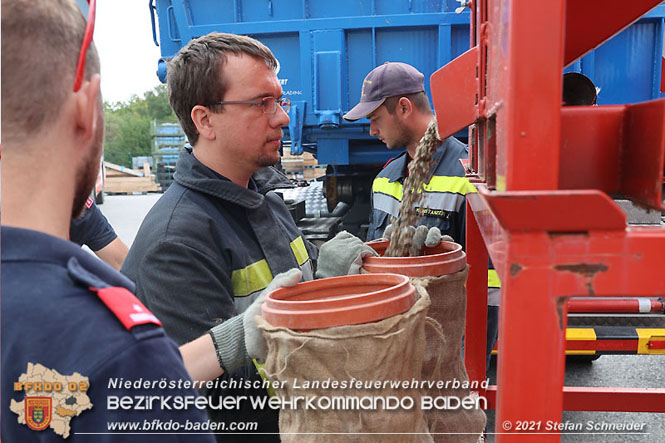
(238, 339)
(343, 255)
(421, 236)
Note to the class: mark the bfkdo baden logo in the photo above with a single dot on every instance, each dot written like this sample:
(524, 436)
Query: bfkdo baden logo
(38, 412)
(51, 399)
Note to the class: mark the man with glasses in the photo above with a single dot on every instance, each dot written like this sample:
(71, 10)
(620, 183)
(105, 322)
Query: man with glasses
(216, 238)
(63, 311)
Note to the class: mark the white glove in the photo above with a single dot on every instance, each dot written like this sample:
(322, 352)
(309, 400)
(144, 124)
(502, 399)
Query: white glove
(421, 237)
(343, 255)
(434, 237)
(238, 339)
(254, 341)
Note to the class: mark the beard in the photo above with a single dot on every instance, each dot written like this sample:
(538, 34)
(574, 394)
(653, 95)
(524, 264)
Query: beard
(268, 159)
(402, 139)
(86, 175)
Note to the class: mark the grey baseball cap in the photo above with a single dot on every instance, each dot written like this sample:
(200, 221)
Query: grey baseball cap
(387, 80)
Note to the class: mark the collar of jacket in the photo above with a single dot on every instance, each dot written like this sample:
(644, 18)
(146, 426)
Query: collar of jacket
(193, 174)
(400, 163)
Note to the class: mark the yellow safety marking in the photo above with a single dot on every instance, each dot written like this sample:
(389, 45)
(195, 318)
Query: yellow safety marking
(251, 278)
(384, 186)
(443, 183)
(500, 182)
(493, 279)
(299, 251)
(580, 334)
(438, 183)
(645, 335)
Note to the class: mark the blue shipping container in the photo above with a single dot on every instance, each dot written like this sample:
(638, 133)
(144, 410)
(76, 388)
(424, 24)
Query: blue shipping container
(325, 49)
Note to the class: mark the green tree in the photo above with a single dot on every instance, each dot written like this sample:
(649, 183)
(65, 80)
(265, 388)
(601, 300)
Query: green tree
(128, 125)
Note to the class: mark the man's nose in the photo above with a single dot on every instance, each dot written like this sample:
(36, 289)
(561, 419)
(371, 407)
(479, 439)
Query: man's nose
(373, 131)
(280, 118)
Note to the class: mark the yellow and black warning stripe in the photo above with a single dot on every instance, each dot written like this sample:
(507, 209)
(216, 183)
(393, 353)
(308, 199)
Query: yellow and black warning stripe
(625, 340)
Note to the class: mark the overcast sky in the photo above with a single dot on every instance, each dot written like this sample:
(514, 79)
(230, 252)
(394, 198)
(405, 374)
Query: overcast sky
(123, 36)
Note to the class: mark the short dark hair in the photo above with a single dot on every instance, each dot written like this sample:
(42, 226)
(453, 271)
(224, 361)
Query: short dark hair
(194, 75)
(419, 100)
(41, 41)
(578, 90)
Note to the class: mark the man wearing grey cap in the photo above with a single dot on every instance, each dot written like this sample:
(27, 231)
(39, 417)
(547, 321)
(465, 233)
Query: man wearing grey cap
(393, 99)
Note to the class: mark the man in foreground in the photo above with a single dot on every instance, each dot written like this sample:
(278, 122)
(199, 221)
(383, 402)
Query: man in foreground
(216, 238)
(67, 317)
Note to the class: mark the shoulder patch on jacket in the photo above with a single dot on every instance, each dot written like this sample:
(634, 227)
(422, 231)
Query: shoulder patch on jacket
(125, 306)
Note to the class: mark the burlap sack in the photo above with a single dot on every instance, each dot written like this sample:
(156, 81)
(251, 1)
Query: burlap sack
(388, 350)
(443, 359)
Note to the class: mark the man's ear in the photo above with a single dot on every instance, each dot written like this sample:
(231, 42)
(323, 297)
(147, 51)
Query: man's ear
(404, 107)
(86, 100)
(201, 117)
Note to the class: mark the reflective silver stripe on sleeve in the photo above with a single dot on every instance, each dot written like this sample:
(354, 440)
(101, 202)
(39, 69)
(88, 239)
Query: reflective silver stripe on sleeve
(386, 203)
(443, 201)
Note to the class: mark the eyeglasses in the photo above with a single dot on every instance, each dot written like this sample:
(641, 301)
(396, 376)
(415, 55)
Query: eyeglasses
(91, 7)
(269, 104)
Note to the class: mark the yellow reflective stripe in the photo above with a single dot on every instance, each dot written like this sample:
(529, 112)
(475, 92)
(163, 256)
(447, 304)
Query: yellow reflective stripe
(438, 183)
(580, 334)
(299, 251)
(457, 185)
(251, 278)
(500, 182)
(647, 334)
(493, 279)
(383, 185)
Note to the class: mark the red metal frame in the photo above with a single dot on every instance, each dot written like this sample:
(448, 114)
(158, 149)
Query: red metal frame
(542, 211)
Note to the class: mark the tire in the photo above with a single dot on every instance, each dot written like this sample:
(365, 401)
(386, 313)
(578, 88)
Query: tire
(99, 198)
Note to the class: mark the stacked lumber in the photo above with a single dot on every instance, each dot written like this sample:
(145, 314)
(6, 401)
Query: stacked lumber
(122, 180)
(303, 166)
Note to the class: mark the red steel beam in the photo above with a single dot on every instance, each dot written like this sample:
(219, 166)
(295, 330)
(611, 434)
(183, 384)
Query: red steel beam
(627, 346)
(475, 336)
(589, 23)
(617, 149)
(610, 305)
(531, 326)
(591, 147)
(523, 66)
(643, 172)
(456, 105)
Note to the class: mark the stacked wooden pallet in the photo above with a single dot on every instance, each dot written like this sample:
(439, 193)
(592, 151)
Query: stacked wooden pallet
(122, 180)
(302, 166)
